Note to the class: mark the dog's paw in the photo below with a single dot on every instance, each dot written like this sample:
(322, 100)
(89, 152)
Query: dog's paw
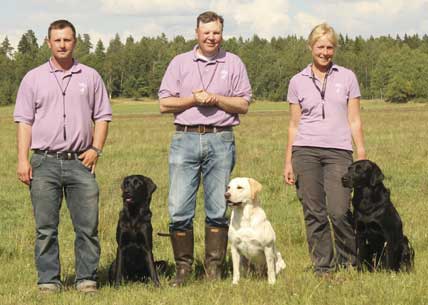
(271, 281)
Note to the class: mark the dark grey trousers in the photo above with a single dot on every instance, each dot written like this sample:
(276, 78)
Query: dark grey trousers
(319, 187)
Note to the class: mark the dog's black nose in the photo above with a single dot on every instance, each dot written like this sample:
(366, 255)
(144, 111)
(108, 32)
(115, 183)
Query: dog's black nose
(227, 195)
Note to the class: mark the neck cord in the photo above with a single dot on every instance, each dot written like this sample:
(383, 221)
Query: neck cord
(63, 91)
(323, 90)
(212, 75)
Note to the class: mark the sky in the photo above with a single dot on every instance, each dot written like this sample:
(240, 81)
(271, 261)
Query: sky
(102, 19)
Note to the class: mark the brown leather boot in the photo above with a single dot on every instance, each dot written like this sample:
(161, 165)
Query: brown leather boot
(182, 245)
(215, 251)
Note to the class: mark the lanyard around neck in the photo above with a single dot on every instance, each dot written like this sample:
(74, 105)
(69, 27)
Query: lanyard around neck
(200, 76)
(323, 90)
(64, 92)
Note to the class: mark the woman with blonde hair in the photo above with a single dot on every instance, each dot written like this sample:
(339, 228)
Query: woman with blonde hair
(325, 118)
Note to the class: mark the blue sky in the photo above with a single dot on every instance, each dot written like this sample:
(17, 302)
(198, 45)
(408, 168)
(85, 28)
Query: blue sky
(102, 19)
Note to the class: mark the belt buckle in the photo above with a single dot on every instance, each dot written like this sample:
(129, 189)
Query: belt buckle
(69, 156)
(202, 129)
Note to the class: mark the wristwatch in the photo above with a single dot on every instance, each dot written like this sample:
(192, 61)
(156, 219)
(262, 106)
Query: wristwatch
(97, 150)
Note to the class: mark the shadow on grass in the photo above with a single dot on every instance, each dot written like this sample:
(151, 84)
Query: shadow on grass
(167, 270)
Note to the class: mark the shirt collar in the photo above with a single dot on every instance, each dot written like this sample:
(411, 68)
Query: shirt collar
(308, 70)
(76, 68)
(220, 57)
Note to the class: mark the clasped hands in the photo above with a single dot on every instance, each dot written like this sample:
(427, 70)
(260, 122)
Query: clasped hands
(204, 98)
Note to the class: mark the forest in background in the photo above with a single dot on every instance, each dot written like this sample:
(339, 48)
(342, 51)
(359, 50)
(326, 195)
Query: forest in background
(394, 69)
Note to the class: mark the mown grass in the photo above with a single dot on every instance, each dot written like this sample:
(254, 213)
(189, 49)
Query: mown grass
(396, 137)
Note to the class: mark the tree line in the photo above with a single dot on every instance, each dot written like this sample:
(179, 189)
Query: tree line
(394, 69)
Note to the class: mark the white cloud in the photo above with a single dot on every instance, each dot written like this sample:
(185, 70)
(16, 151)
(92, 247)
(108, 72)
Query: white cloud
(266, 18)
(303, 23)
(149, 7)
(259, 17)
(249, 17)
(377, 17)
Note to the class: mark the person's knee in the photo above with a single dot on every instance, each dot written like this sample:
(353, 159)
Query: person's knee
(340, 216)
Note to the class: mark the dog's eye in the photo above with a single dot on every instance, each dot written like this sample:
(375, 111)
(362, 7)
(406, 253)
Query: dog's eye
(239, 187)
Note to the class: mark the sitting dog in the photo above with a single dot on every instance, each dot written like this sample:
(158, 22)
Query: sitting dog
(134, 261)
(250, 233)
(379, 233)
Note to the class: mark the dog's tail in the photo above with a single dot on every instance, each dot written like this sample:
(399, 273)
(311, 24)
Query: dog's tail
(163, 234)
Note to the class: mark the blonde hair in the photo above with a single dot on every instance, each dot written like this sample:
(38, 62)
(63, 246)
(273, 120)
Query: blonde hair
(321, 30)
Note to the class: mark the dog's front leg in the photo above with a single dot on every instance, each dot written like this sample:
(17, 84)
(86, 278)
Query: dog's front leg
(236, 262)
(393, 254)
(270, 263)
(363, 255)
(118, 268)
(152, 268)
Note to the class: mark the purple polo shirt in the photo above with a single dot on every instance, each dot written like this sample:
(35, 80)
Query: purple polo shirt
(40, 103)
(333, 131)
(224, 75)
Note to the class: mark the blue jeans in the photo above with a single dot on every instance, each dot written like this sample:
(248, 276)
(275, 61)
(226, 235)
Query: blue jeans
(52, 179)
(193, 156)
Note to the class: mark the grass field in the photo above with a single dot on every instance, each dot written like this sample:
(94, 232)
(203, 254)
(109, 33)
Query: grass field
(396, 139)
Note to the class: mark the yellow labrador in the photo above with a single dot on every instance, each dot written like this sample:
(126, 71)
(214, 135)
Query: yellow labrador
(251, 235)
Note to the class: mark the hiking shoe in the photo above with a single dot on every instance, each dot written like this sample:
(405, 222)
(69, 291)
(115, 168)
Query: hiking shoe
(87, 286)
(49, 288)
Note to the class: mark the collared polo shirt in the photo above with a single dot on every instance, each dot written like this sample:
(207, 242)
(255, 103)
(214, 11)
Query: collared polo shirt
(332, 131)
(41, 104)
(224, 75)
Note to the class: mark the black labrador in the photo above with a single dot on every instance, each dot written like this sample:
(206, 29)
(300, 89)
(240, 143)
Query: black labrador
(134, 260)
(381, 243)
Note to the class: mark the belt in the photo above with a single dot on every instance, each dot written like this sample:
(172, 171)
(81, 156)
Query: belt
(60, 155)
(202, 128)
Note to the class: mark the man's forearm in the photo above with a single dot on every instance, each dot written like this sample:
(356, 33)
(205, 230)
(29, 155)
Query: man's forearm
(23, 140)
(176, 104)
(100, 134)
(232, 104)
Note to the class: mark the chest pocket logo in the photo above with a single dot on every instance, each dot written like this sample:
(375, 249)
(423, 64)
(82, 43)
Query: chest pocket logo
(224, 74)
(83, 88)
(338, 87)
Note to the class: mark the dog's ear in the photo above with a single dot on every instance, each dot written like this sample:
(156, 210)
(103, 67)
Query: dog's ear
(255, 187)
(376, 176)
(151, 186)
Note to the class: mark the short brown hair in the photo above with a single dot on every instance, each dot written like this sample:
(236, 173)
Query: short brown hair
(59, 25)
(209, 16)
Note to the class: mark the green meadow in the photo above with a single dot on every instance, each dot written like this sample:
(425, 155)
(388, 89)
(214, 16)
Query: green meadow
(396, 139)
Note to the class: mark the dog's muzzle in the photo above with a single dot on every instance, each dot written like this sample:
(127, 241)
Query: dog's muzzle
(127, 198)
(233, 204)
(230, 203)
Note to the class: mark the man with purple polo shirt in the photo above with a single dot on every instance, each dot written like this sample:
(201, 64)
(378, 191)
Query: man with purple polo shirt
(62, 113)
(205, 89)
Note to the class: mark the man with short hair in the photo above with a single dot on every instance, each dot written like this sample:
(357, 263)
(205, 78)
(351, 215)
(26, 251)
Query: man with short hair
(205, 89)
(62, 112)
